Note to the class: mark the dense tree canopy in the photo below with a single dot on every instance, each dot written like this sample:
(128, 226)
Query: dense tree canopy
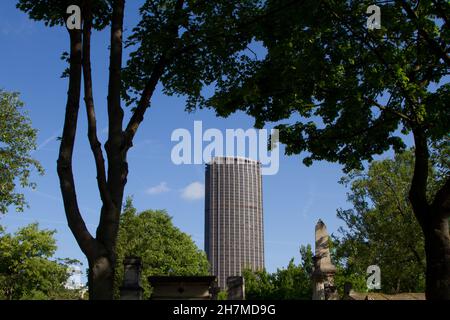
(347, 90)
(292, 282)
(381, 228)
(163, 248)
(27, 267)
(17, 141)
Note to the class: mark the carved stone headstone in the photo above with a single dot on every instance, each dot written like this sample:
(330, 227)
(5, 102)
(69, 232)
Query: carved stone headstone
(131, 288)
(324, 270)
(236, 288)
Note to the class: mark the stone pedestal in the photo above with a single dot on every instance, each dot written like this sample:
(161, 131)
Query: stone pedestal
(131, 288)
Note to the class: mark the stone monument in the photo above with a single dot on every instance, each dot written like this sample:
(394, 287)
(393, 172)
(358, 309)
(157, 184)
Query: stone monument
(131, 288)
(324, 270)
(236, 288)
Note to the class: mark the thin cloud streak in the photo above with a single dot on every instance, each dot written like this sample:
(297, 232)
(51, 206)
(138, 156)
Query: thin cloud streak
(312, 194)
(47, 141)
(160, 188)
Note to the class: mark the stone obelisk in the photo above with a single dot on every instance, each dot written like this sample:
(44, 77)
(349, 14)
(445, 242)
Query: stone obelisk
(324, 270)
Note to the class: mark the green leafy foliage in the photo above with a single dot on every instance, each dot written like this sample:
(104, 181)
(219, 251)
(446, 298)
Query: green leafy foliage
(345, 276)
(381, 228)
(17, 141)
(211, 37)
(163, 248)
(440, 161)
(292, 282)
(340, 91)
(27, 270)
(222, 295)
(201, 44)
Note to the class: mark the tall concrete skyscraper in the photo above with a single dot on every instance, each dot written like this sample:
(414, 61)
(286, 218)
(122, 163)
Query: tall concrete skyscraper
(234, 237)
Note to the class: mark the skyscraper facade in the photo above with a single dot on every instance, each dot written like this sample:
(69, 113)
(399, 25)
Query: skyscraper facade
(234, 237)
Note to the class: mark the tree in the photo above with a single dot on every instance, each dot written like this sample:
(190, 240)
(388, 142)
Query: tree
(184, 44)
(346, 93)
(163, 248)
(345, 276)
(292, 282)
(258, 285)
(381, 229)
(17, 141)
(26, 268)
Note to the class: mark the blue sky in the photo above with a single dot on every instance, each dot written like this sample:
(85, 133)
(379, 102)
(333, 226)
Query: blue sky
(294, 199)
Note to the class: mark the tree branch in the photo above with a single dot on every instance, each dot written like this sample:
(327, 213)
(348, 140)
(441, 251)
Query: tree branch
(419, 259)
(418, 189)
(144, 102)
(374, 48)
(90, 110)
(394, 193)
(117, 166)
(387, 109)
(116, 176)
(436, 47)
(441, 12)
(157, 72)
(75, 221)
(115, 112)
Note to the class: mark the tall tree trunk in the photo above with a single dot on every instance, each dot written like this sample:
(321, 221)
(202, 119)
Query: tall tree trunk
(437, 249)
(433, 219)
(100, 250)
(101, 278)
(103, 264)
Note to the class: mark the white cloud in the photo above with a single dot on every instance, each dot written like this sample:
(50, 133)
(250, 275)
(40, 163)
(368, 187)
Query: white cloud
(160, 188)
(194, 191)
